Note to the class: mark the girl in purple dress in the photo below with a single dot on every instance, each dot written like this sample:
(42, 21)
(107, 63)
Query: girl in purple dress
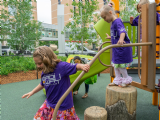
(122, 56)
(134, 21)
(55, 79)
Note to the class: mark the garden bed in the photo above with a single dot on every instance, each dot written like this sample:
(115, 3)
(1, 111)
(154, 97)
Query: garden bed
(20, 76)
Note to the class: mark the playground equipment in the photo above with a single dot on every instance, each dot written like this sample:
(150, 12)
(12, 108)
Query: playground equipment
(90, 64)
(98, 112)
(88, 76)
(148, 69)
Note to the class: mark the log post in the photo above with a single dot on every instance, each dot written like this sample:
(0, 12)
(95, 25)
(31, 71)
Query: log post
(95, 113)
(121, 103)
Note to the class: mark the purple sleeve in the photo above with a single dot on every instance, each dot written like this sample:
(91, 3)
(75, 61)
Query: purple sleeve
(135, 21)
(41, 79)
(120, 27)
(70, 68)
(158, 18)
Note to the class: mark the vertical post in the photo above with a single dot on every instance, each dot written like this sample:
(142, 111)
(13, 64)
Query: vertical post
(116, 5)
(155, 98)
(159, 104)
(144, 77)
(158, 34)
(61, 37)
(81, 27)
(0, 48)
(151, 49)
(116, 8)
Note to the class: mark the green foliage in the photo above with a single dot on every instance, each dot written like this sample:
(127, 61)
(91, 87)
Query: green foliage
(130, 9)
(11, 64)
(18, 27)
(87, 18)
(56, 52)
(62, 58)
(42, 43)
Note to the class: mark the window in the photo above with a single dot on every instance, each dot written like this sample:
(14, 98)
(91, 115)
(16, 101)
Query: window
(74, 9)
(105, 2)
(5, 47)
(59, 2)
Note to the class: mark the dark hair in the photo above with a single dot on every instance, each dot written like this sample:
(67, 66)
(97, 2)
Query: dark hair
(76, 57)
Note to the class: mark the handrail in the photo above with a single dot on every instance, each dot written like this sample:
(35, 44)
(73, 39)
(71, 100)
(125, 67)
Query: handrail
(90, 64)
(98, 56)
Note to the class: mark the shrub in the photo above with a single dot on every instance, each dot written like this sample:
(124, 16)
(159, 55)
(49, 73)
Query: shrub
(11, 64)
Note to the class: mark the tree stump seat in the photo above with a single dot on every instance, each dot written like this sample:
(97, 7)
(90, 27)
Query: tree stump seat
(95, 113)
(121, 103)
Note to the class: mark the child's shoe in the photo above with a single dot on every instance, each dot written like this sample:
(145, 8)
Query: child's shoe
(85, 95)
(76, 93)
(112, 84)
(123, 85)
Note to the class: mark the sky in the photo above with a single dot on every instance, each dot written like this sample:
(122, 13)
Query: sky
(44, 10)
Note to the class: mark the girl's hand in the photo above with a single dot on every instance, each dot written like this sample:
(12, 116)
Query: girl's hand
(131, 19)
(121, 41)
(108, 37)
(27, 94)
(85, 67)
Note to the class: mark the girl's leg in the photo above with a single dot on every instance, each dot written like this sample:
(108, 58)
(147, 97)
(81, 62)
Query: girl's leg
(126, 79)
(76, 92)
(86, 88)
(118, 79)
(86, 91)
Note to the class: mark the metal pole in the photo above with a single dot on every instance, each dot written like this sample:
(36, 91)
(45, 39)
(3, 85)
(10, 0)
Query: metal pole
(81, 27)
(0, 48)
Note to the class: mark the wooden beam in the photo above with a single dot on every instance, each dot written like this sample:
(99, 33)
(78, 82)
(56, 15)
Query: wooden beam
(152, 49)
(144, 72)
(139, 85)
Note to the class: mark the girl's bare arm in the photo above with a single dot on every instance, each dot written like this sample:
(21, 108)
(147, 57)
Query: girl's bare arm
(121, 39)
(35, 90)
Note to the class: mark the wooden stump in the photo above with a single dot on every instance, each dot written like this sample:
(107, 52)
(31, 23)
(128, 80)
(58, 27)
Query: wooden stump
(121, 103)
(95, 113)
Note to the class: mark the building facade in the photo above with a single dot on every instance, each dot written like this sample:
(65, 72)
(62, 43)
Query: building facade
(67, 13)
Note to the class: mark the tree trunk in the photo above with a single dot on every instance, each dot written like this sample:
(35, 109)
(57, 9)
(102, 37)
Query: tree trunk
(95, 113)
(121, 103)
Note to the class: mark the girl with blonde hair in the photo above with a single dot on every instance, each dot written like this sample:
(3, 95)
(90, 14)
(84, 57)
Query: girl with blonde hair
(122, 56)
